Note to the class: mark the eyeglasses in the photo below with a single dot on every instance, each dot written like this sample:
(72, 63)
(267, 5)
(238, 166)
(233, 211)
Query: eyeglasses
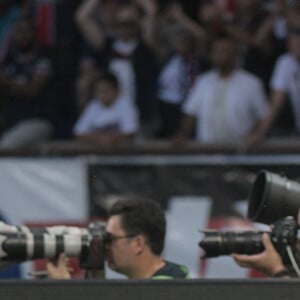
(109, 237)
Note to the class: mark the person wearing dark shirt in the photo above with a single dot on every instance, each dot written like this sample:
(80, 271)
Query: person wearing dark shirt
(248, 28)
(171, 271)
(24, 82)
(136, 233)
(124, 54)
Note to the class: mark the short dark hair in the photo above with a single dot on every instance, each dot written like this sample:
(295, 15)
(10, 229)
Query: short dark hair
(142, 216)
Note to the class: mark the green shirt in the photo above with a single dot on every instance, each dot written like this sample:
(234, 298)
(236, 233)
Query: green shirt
(171, 271)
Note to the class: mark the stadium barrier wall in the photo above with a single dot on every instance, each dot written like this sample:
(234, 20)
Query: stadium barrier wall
(149, 290)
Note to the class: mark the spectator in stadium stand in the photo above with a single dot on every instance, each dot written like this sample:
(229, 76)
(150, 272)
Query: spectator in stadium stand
(125, 54)
(109, 118)
(95, 15)
(179, 67)
(25, 81)
(276, 25)
(136, 227)
(285, 90)
(248, 28)
(226, 103)
(211, 18)
(175, 79)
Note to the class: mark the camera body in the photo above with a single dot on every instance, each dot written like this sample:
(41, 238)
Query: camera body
(273, 200)
(22, 243)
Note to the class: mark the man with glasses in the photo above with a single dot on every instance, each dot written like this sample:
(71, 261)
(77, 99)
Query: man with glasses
(136, 228)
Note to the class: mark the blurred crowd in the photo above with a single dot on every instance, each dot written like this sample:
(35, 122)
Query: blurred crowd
(114, 71)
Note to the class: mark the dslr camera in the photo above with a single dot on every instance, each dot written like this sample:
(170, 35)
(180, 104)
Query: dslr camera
(22, 243)
(273, 200)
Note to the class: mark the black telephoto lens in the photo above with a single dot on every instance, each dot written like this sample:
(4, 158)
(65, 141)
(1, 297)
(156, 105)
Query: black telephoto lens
(216, 243)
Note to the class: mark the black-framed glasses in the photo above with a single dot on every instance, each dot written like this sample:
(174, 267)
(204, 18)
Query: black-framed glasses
(109, 237)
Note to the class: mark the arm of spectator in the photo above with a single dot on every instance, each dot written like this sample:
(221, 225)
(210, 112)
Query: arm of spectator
(84, 129)
(268, 262)
(257, 39)
(277, 100)
(176, 13)
(264, 31)
(190, 112)
(240, 35)
(105, 139)
(153, 24)
(149, 21)
(84, 84)
(87, 24)
(60, 270)
(31, 89)
(187, 125)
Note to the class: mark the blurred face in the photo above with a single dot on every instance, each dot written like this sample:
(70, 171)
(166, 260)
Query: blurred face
(223, 54)
(106, 92)
(120, 251)
(24, 35)
(183, 46)
(127, 23)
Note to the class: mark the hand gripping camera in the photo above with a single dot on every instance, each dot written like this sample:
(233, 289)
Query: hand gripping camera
(21, 243)
(273, 200)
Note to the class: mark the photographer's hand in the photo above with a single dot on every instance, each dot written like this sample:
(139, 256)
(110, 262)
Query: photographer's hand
(60, 270)
(268, 262)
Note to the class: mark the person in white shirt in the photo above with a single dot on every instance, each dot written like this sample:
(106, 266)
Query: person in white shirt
(226, 104)
(285, 83)
(109, 118)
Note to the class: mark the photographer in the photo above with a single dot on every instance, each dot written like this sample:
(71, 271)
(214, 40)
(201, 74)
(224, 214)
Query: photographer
(271, 198)
(136, 230)
(268, 262)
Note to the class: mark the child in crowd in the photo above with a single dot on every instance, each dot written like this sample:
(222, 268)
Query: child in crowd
(109, 118)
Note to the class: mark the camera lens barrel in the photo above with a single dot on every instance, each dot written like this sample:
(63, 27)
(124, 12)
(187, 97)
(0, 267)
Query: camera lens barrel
(273, 197)
(216, 243)
(21, 243)
(21, 247)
